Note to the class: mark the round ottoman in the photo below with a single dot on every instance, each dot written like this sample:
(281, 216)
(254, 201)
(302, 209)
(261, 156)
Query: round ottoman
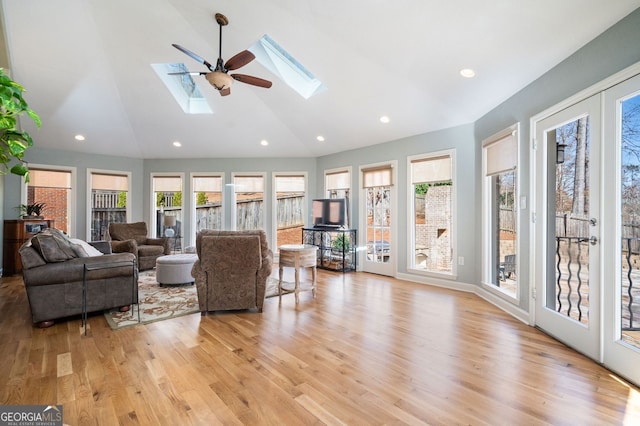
(175, 268)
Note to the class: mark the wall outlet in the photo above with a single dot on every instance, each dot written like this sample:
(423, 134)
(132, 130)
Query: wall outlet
(460, 260)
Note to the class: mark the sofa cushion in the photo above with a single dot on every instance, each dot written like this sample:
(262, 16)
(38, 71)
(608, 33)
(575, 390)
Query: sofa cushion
(83, 248)
(53, 246)
(146, 250)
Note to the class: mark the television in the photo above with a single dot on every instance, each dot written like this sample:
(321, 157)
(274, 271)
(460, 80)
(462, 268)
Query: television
(329, 212)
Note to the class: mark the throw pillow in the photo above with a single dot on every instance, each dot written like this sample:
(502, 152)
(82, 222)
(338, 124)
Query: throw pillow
(83, 248)
(52, 248)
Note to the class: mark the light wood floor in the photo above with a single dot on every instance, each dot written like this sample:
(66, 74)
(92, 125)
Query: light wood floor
(368, 350)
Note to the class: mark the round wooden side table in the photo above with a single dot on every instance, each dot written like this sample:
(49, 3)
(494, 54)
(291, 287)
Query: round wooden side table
(298, 256)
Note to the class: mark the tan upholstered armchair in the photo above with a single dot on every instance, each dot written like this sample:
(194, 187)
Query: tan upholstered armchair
(132, 238)
(232, 269)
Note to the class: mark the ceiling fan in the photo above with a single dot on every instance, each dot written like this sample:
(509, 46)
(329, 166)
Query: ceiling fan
(219, 76)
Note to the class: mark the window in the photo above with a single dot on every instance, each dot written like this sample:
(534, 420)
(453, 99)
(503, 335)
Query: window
(52, 186)
(108, 201)
(183, 88)
(167, 208)
(249, 201)
(337, 184)
(273, 57)
(207, 202)
(431, 197)
(500, 211)
(289, 207)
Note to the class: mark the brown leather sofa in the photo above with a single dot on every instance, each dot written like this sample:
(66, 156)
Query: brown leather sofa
(132, 238)
(232, 269)
(53, 269)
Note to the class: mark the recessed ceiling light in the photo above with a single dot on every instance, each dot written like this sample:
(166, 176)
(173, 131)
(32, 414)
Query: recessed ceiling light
(177, 143)
(384, 119)
(79, 137)
(264, 142)
(468, 73)
(320, 138)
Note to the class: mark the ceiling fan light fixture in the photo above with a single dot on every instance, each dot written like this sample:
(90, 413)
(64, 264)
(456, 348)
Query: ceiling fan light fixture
(219, 80)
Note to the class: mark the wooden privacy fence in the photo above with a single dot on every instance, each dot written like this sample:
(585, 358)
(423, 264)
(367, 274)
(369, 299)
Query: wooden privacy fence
(289, 213)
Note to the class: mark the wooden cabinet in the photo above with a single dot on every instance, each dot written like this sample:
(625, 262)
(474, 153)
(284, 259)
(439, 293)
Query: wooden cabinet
(336, 247)
(16, 232)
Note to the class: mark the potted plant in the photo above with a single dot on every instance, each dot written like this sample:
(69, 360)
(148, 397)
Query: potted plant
(14, 142)
(32, 211)
(341, 243)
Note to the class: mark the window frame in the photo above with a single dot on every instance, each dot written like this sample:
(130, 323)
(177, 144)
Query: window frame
(234, 202)
(90, 173)
(488, 219)
(326, 190)
(193, 203)
(411, 225)
(274, 202)
(153, 223)
(71, 201)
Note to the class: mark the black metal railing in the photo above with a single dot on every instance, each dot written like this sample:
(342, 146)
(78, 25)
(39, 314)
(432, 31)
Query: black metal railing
(572, 280)
(572, 277)
(629, 295)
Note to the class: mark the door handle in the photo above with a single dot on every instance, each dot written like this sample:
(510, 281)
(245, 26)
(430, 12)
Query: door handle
(593, 240)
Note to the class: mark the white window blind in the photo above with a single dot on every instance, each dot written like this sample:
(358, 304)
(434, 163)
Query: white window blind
(431, 170)
(248, 183)
(207, 184)
(167, 184)
(109, 182)
(375, 177)
(289, 183)
(501, 154)
(49, 178)
(338, 180)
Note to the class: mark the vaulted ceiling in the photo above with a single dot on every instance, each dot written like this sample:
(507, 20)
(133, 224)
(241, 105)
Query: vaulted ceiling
(86, 65)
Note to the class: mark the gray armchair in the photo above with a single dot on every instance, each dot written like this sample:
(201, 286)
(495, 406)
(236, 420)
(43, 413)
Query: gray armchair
(132, 238)
(232, 269)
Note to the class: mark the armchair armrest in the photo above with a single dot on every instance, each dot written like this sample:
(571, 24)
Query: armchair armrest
(126, 246)
(164, 242)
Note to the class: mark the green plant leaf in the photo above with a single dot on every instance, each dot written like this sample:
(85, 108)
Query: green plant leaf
(14, 142)
(19, 169)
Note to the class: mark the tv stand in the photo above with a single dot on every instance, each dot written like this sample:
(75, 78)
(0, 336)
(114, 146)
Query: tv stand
(336, 247)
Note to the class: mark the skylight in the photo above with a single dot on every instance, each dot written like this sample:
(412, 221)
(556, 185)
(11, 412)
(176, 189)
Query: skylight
(280, 62)
(183, 88)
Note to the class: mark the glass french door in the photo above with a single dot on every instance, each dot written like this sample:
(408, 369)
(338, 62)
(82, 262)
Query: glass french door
(621, 233)
(567, 292)
(378, 204)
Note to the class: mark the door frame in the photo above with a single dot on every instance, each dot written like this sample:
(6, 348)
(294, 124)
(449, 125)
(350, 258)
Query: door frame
(584, 338)
(618, 355)
(598, 87)
(390, 268)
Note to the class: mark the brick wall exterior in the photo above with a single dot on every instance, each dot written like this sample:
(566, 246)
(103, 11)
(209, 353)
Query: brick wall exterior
(56, 200)
(433, 237)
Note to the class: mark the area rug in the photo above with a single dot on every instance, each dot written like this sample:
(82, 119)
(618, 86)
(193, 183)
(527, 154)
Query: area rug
(158, 303)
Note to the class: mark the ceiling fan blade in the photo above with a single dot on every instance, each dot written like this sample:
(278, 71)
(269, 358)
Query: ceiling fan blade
(188, 72)
(249, 79)
(239, 60)
(193, 56)
(225, 92)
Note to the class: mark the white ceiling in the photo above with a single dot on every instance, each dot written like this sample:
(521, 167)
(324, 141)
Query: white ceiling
(86, 67)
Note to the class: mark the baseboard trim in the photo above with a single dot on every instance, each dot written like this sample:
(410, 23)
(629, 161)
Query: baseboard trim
(491, 298)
